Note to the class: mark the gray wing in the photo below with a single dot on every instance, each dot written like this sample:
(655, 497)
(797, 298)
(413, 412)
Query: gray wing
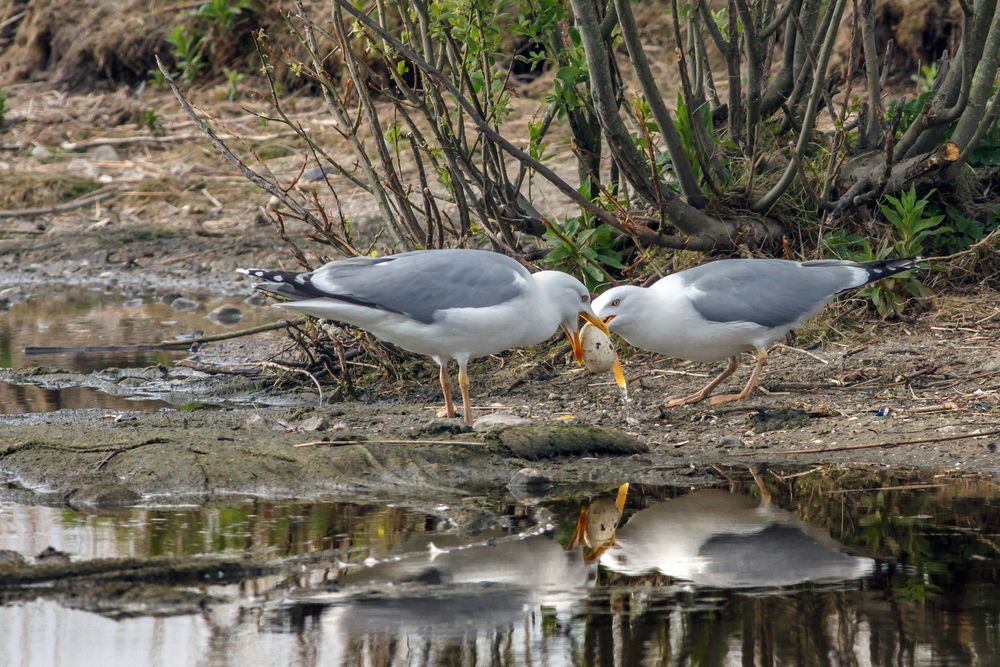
(768, 292)
(420, 283)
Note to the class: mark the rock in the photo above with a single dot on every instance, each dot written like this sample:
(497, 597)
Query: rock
(52, 555)
(184, 305)
(730, 441)
(314, 424)
(84, 168)
(226, 314)
(529, 479)
(105, 154)
(11, 558)
(169, 297)
(256, 299)
(778, 419)
(38, 151)
(104, 494)
(537, 441)
(132, 303)
(255, 421)
(443, 426)
(498, 420)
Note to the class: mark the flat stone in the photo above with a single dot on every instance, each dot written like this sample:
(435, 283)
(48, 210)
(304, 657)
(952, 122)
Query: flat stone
(540, 441)
(52, 555)
(11, 558)
(731, 441)
(170, 297)
(530, 479)
(104, 494)
(184, 305)
(443, 426)
(256, 299)
(226, 314)
(498, 420)
(105, 154)
(314, 424)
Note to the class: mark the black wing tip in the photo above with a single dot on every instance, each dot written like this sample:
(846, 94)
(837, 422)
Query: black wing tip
(883, 268)
(280, 277)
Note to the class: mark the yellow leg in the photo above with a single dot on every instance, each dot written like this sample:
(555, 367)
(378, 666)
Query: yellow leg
(449, 406)
(751, 383)
(463, 384)
(704, 392)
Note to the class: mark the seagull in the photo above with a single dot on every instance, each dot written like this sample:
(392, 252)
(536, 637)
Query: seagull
(721, 309)
(718, 539)
(446, 304)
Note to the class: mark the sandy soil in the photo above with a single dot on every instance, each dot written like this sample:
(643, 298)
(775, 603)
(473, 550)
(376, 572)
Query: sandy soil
(181, 219)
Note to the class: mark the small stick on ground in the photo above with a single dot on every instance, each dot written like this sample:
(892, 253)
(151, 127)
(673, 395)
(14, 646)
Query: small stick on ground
(881, 445)
(171, 345)
(291, 369)
(115, 452)
(344, 443)
(150, 139)
(58, 208)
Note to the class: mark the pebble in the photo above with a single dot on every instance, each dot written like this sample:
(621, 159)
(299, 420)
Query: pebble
(132, 303)
(52, 555)
(731, 441)
(105, 154)
(256, 299)
(314, 424)
(443, 426)
(226, 314)
(8, 557)
(169, 297)
(498, 420)
(185, 305)
(530, 479)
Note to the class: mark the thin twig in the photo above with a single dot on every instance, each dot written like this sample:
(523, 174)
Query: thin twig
(58, 208)
(341, 443)
(880, 445)
(171, 345)
(170, 138)
(291, 369)
(796, 349)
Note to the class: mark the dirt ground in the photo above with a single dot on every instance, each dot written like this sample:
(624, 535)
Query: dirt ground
(179, 218)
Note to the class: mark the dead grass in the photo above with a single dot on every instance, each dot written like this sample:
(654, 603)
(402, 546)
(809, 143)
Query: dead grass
(25, 189)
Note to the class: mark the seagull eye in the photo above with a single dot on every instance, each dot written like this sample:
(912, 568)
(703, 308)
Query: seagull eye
(616, 302)
(585, 298)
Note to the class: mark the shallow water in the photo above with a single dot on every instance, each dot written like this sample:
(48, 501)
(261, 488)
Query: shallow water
(826, 573)
(78, 317)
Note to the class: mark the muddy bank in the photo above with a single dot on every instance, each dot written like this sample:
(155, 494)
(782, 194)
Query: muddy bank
(86, 459)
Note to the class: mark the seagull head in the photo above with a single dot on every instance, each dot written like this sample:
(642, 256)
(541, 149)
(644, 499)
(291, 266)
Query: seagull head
(619, 307)
(571, 302)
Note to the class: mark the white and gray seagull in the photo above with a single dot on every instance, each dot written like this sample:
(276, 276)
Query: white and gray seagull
(446, 304)
(721, 309)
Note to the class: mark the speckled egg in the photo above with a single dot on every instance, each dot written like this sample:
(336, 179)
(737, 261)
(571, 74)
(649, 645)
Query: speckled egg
(598, 353)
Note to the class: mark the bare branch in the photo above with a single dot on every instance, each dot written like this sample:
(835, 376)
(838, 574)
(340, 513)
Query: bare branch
(637, 55)
(698, 241)
(769, 199)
